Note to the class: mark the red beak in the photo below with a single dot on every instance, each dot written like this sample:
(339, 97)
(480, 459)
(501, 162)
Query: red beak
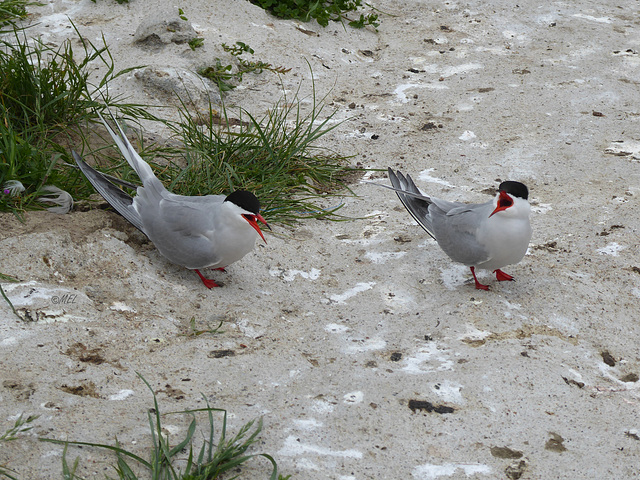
(504, 202)
(253, 221)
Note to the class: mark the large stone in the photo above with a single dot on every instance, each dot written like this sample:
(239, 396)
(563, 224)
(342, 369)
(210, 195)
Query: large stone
(187, 85)
(164, 27)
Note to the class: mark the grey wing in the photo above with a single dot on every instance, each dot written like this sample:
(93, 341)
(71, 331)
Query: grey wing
(190, 216)
(457, 229)
(117, 198)
(183, 228)
(415, 203)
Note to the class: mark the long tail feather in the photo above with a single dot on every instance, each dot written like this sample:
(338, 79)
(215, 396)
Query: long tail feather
(141, 167)
(117, 198)
(415, 203)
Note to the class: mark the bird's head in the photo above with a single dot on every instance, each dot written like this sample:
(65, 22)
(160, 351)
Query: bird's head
(250, 207)
(511, 194)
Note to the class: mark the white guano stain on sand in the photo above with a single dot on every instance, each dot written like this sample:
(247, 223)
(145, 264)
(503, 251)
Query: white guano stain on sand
(290, 275)
(121, 395)
(401, 89)
(435, 70)
(353, 397)
(626, 148)
(121, 307)
(293, 447)
(612, 249)
(352, 292)
(474, 334)
(5, 342)
(592, 18)
(307, 424)
(32, 294)
(336, 328)
(383, 257)
(467, 135)
(512, 306)
(322, 407)
(450, 392)
(428, 359)
(400, 299)
(9, 287)
(425, 177)
(366, 345)
(430, 471)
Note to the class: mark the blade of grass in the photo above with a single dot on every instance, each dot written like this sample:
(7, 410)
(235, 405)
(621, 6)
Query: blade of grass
(8, 278)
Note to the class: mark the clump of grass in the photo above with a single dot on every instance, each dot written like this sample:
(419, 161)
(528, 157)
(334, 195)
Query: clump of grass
(223, 75)
(321, 10)
(45, 100)
(274, 156)
(196, 43)
(47, 104)
(12, 10)
(182, 461)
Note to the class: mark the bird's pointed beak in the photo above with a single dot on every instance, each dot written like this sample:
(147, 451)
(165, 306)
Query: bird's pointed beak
(253, 221)
(504, 201)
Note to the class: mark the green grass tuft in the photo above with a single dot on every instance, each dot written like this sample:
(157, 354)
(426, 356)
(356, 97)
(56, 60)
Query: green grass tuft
(13, 10)
(223, 75)
(182, 461)
(274, 156)
(46, 101)
(322, 11)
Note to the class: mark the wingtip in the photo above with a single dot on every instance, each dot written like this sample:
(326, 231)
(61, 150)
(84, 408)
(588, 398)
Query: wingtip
(393, 177)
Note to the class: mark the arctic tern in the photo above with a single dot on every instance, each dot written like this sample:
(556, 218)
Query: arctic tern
(484, 235)
(193, 231)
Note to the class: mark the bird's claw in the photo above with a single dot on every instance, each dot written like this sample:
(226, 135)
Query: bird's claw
(503, 277)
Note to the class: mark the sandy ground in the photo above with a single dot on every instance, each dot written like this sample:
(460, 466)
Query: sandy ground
(368, 353)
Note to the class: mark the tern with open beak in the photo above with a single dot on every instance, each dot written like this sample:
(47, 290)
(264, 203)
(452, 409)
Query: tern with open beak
(487, 235)
(195, 232)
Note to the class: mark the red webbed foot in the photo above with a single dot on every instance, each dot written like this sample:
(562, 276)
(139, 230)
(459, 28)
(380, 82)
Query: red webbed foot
(207, 283)
(503, 277)
(479, 286)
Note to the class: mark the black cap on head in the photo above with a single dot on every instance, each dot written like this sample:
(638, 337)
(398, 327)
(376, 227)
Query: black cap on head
(245, 200)
(516, 189)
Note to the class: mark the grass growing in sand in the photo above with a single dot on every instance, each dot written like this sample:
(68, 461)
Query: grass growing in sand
(47, 107)
(273, 156)
(21, 425)
(214, 459)
(322, 11)
(12, 10)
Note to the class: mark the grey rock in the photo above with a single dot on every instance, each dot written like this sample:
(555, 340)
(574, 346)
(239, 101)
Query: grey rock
(175, 81)
(162, 28)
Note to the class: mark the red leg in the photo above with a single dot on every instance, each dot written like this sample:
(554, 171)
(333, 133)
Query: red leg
(479, 286)
(503, 277)
(207, 283)
(222, 269)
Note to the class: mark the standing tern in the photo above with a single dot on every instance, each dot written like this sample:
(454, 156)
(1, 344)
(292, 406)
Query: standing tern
(195, 232)
(479, 235)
